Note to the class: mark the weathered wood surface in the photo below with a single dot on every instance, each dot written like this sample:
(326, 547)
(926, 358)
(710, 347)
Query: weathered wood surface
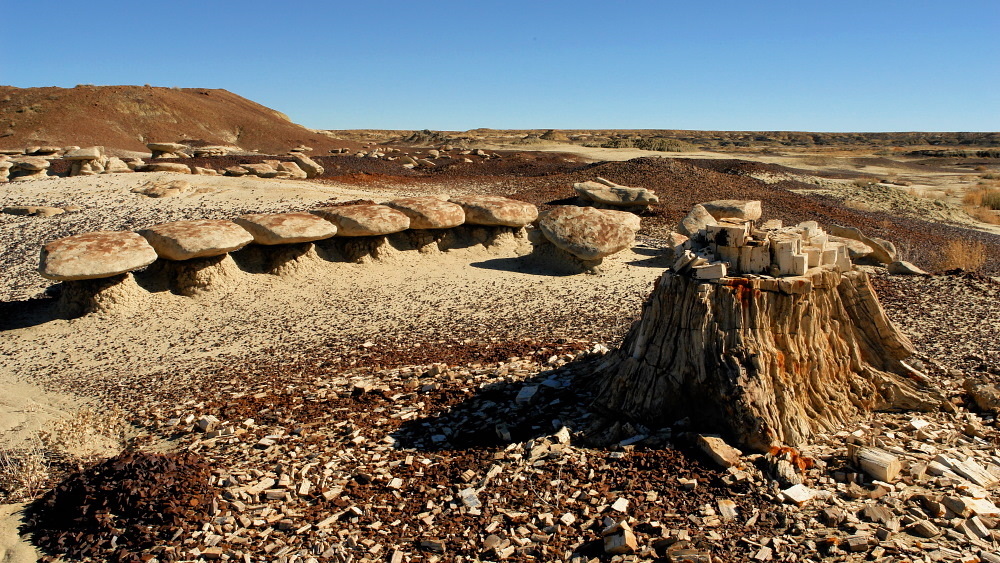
(761, 362)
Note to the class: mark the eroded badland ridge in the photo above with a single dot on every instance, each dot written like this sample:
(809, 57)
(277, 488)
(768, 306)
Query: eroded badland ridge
(229, 337)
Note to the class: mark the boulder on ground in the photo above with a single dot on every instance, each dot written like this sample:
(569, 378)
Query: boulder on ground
(904, 268)
(36, 210)
(365, 219)
(163, 189)
(262, 170)
(293, 170)
(167, 167)
(748, 210)
(496, 211)
(184, 240)
(585, 232)
(116, 165)
(286, 228)
(697, 219)
(429, 212)
(94, 255)
(201, 171)
(311, 168)
(607, 192)
(235, 171)
(86, 153)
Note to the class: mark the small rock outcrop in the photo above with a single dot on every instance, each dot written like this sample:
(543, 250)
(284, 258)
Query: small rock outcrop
(168, 150)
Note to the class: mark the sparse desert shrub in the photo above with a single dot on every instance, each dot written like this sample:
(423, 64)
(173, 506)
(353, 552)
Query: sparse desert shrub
(967, 255)
(649, 144)
(990, 176)
(86, 435)
(983, 197)
(865, 182)
(24, 472)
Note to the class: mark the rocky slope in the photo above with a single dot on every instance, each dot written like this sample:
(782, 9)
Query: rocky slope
(128, 117)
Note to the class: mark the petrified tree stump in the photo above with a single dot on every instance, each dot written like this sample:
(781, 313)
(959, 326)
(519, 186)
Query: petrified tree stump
(763, 361)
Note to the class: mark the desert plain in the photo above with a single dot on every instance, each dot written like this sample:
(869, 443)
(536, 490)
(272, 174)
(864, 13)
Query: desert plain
(436, 402)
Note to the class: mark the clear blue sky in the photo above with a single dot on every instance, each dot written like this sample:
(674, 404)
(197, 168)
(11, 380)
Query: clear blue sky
(729, 65)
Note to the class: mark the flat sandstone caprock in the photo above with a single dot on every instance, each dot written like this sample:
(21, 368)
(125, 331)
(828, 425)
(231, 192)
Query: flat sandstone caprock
(94, 255)
(429, 212)
(286, 228)
(364, 220)
(184, 240)
(496, 211)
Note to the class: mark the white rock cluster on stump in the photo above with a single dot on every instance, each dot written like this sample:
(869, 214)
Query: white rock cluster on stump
(765, 335)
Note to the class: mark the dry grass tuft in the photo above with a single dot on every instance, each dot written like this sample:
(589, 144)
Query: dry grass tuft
(967, 255)
(24, 472)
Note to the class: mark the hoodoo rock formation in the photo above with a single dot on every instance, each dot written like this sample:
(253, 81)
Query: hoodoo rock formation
(766, 336)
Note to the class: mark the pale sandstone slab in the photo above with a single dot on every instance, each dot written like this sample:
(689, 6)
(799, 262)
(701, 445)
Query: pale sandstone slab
(365, 220)
(697, 219)
(286, 228)
(749, 210)
(94, 255)
(166, 147)
(85, 153)
(184, 240)
(609, 193)
(310, 166)
(585, 232)
(168, 167)
(496, 211)
(429, 212)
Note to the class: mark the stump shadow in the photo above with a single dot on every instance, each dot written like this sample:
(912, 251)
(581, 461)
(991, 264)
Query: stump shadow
(518, 410)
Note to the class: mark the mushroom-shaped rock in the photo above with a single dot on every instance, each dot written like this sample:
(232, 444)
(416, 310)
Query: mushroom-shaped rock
(609, 193)
(365, 219)
(734, 209)
(286, 228)
(429, 212)
(587, 233)
(496, 211)
(32, 163)
(166, 147)
(94, 255)
(86, 153)
(183, 240)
